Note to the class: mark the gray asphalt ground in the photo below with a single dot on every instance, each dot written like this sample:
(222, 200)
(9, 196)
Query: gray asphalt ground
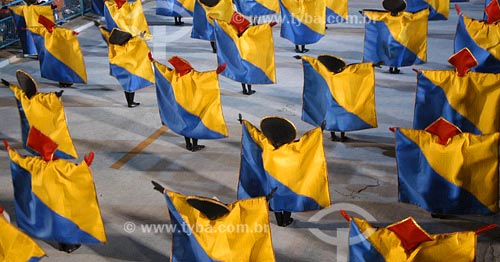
(362, 172)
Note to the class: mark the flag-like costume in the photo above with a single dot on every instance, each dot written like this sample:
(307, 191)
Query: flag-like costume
(303, 21)
(344, 99)
(129, 63)
(126, 16)
(202, 235)
(15, 246)
(407, 241)
(445, 171)
(336, 11)
(175, 7)
(257, 7)
(395, 40)
(482, 39)
(56, 199)
(439, 9)
(44, 111)
(297, 170)
(189, 102)
(26, 16)
(466, 99)
(59, 53)
(203, 16)
(248, 53)
(492, 11)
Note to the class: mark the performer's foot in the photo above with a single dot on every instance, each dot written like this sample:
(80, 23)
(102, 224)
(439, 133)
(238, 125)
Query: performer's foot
(189, 145)
(68, 248)
(297, 50)
(65, 84)
(197, 148)
(133, 104)
(343, 138)
(394, 70)
(214, 47)
(287, 223)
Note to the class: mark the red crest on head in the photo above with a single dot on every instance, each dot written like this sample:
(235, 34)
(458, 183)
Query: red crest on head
(181, 65)
(41, 143)
(463, 61)
(239, 22)
(410, 234)
(443, 129)
(493, 12)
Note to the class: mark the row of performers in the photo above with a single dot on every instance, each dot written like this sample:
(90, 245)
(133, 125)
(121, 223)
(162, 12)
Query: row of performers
(447, 164)
(394, 38)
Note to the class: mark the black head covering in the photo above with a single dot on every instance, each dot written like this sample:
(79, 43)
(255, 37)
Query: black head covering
(119, 37)
(210, 3)
(278, 130)
(27, 83)
(394, 6)
(333, 63)
(211, 208)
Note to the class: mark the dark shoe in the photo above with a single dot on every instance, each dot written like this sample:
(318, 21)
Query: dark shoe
(189, 146)
(197, 148)
(394, 70)
(130, 99)
(297, 50)
(65, 84)
(287, 223)
(68, 248)
(133, 104)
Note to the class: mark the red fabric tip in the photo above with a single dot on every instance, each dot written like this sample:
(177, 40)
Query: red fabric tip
(392, 129)
(1, 209)
(150, 56)
(89, 158)
(239, 22)
(273, 23)
(120, 3)
(486, 228)
(415, 70)
(493, 12)
(41, 143)
(410, 234)
(221, 68)
(181, 65)
(463, 61)
(345, 215)
(443, 129)
(75, 33)
(6, 144)
(457, 7)
(47, 23)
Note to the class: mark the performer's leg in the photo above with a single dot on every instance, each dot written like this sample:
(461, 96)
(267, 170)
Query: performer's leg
(279, 218)
(394, 70)
(189, 146)
(343, 138)
(333, 137)
(197, 147)
(68, 248)
(178, 20)
(287, 218)
(255, 20)
(130, 99)
(304, 49)
(214, 47)
(244, 87)
(297, 50)
(250, 91)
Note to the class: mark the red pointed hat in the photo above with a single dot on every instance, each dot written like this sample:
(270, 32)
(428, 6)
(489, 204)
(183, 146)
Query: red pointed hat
(239, 22)
(463, 61)
(181, 65)
(493, 12)
(443, 129)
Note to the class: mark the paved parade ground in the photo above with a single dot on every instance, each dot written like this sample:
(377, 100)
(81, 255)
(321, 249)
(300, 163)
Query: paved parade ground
(131, 148)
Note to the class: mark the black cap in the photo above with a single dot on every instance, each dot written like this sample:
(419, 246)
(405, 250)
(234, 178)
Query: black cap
(27, 83)
(211, 208)
(119, 37)
(394, 6)
(278, 130)
(210, 3)
(333, 63)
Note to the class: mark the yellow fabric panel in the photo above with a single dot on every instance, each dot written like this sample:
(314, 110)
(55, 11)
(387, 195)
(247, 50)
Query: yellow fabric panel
(130, 18)
(64, 46)
(32, 12)
(475, 96)
(45, 111)
(188, 4)
(353, 88)
(15, 246)
(270, 4)
(221, 11)
(311, 13)
(299, 165)
(383, 240)
(456, 247)
(67, 189)
(199, 94)
(340, 7)
(441, 6)
(486, 36)
(476, 173)
(133, 56)
(249, 241)
(256, 46)
(409, 29)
